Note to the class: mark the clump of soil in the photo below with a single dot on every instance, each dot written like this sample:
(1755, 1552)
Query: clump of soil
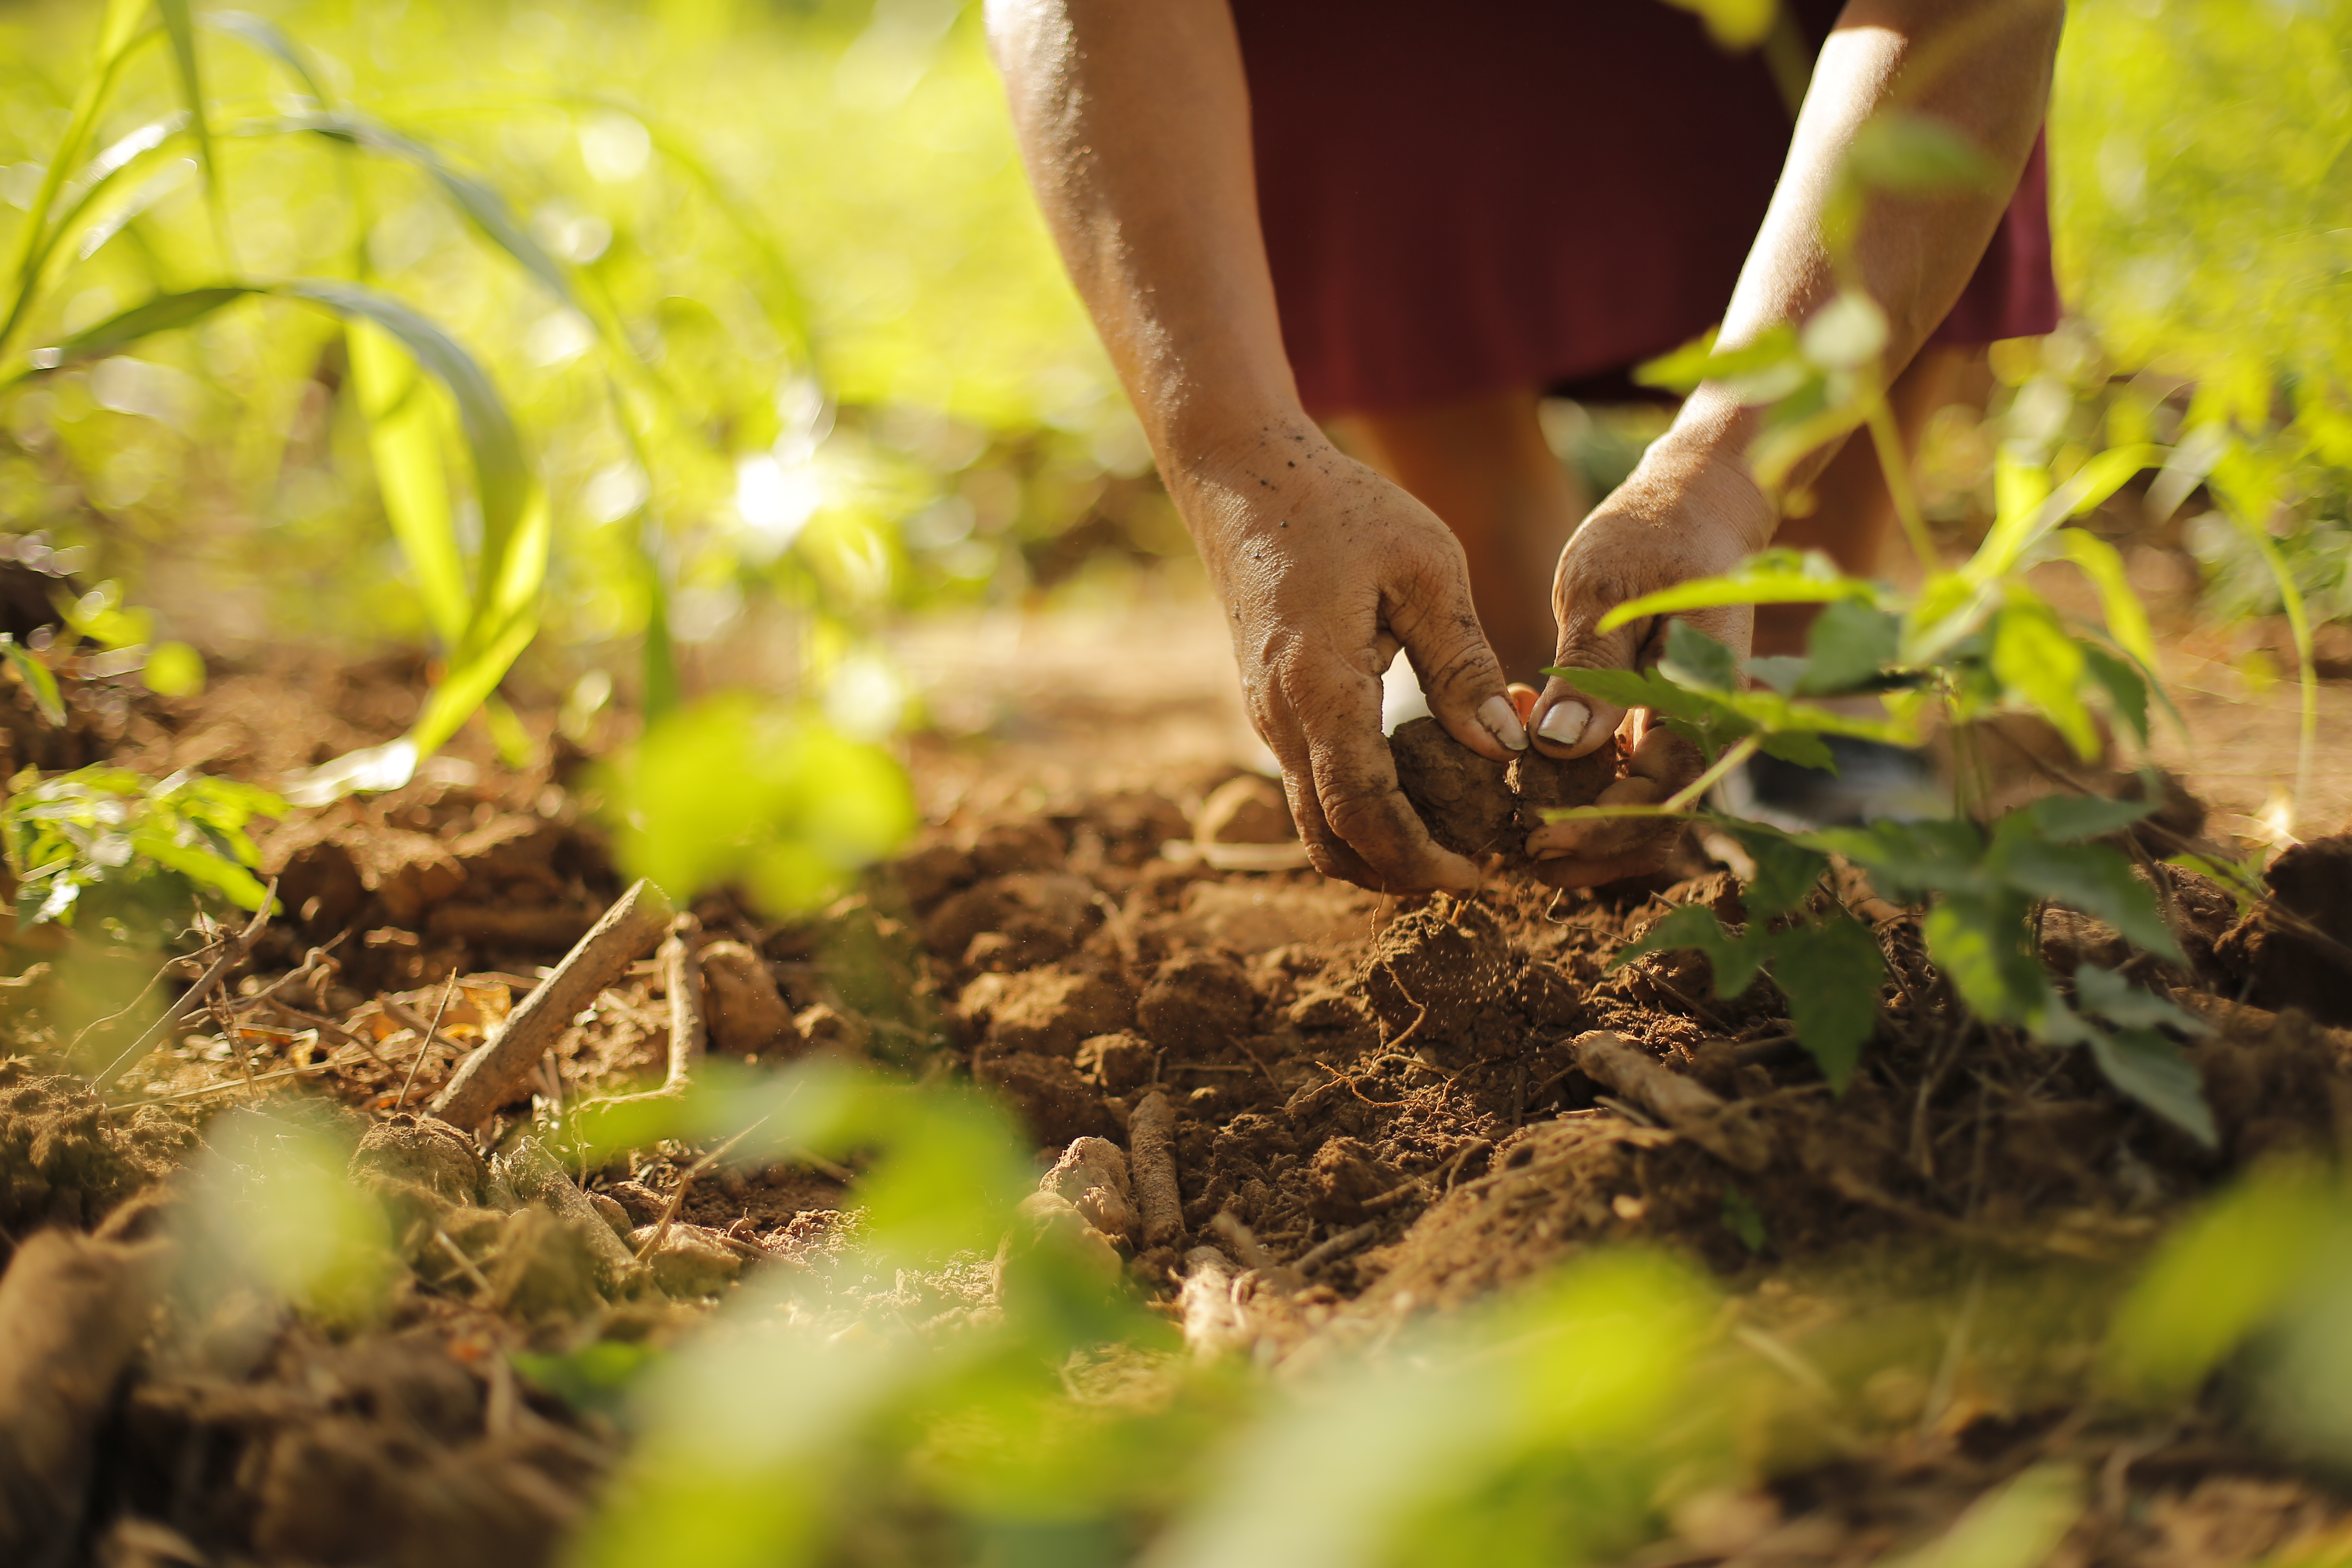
(2294, 948)
(1477, 806)
(66, 1160)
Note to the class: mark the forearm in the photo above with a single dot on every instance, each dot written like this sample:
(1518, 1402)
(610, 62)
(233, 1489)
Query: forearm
(1133, 119)
(1981, 66)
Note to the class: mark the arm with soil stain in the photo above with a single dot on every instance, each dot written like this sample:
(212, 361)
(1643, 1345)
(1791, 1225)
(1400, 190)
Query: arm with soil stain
(72, 1310)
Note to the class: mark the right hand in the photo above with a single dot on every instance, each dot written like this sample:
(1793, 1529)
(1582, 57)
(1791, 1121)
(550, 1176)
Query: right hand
(1327, 571)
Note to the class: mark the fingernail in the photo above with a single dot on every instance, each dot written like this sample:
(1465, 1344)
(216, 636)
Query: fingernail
(1564, 725)
(1496, 714)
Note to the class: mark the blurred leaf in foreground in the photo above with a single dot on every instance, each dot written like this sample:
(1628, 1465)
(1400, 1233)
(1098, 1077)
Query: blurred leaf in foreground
(731, 791)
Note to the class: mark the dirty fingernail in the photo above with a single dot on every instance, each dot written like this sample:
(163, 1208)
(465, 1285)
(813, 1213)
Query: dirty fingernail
(1564, 725)
(1503, 722)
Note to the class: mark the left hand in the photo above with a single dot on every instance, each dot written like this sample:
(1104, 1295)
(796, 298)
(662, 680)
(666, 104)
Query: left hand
(1690, 510)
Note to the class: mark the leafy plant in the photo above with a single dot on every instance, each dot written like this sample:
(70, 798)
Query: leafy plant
(71, 832)
(1972, 640)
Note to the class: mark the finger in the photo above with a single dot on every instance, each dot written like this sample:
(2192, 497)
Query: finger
(1430, 614)
(1572, 723)
(1356, 793)
(1325, 851)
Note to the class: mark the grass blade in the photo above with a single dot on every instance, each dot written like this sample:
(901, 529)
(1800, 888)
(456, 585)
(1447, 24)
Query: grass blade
(180, 27)
(265, 36)
(405, 438)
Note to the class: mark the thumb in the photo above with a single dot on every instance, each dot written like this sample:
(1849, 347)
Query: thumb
(1569, 723)
(1457, 668)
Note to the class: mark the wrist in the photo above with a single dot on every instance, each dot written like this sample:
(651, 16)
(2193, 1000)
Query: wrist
(1701, 462)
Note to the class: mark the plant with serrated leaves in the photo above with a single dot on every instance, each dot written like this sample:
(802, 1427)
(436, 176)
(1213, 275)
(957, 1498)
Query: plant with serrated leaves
(1972, 641)
(70, 833)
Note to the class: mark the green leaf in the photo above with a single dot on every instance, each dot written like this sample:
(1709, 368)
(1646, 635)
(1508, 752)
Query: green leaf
(174, 669)
(1772, 577)
(1803, 749)
(161, 313)
(262, 33)
(2109, 996)
(1831, 972)
(1733, 958)
(1772, 360)
(2033, 658)
(1786, 871)
(1911, 153)
(2090, 877)
(1979, 942)
(2154, 1071)
(36, 678)
(405, 438)
(1696, 659)
(1846, 334)
(1778, 672)
(1912, 858)
(2125, 689)
(2071, 818)
(179, 25)
(1733, 24)
(2126, 617)
(1849, 644)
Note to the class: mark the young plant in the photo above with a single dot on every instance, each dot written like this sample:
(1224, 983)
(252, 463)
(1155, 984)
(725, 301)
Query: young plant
(1972, 640)
(103, 825)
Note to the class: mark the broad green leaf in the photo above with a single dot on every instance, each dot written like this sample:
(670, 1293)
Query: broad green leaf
(2221, 1275)
(1696, 659)
(1804, 748)
(404, 430)
(1772, 577)
(2033, 658)
(1849, 645)
(1909, 152)
(1912, 858)
(1778, 672)
(2090, 877)
(1734, 959)
(1772, 360)
(2069, 818)
(2020, 1524)
(1978, 943)
(2126, 617)
(2160, 1075)
(1786, 871)
(2124, 687)
(2106, 994)
(1801, 424)
(1846, 334)
(36, 678)
(1831, 972)
(2027, 508)
(1946, 611)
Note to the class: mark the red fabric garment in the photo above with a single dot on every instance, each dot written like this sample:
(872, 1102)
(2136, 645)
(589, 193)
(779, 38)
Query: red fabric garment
(1491, 194)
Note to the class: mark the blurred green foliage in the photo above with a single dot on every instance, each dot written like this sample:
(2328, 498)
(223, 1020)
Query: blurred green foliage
(113, 828)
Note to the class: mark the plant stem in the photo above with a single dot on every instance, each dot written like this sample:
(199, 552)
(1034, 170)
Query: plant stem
(1895, 465)
(1681, 799)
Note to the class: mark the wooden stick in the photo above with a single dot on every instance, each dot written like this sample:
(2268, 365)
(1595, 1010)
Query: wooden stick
(1152, 1152)
(1684, 1104)
(538, 1177)
(1340, 1246)
(486, 1079)
(682, 977)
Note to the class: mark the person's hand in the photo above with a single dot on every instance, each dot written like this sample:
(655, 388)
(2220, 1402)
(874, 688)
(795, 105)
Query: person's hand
(1689, 510)
(1327, 571)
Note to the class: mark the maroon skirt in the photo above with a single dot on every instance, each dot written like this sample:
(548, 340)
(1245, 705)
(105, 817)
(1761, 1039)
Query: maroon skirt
(1464, 199)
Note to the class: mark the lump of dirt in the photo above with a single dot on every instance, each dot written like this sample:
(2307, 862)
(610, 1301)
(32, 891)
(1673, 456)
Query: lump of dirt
(748, 1016)
(1092, 1176)
(1047, 1094)
(2286, 964)
(1244, 810)
(423, 1151)
(1435, 970)
(1013, 921)
(66, 1160)
(1118, 1062)
(1475, 806)
(690, 1261)
(1340, 1177)
(1464, 797)
(1049, 1012)
(1197, 1002)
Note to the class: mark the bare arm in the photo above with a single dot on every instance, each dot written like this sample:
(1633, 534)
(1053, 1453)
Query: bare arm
(1133, 116)
(1691, 508)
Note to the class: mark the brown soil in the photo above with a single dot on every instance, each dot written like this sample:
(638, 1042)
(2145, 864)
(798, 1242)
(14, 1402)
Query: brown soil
(1335, 1060)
